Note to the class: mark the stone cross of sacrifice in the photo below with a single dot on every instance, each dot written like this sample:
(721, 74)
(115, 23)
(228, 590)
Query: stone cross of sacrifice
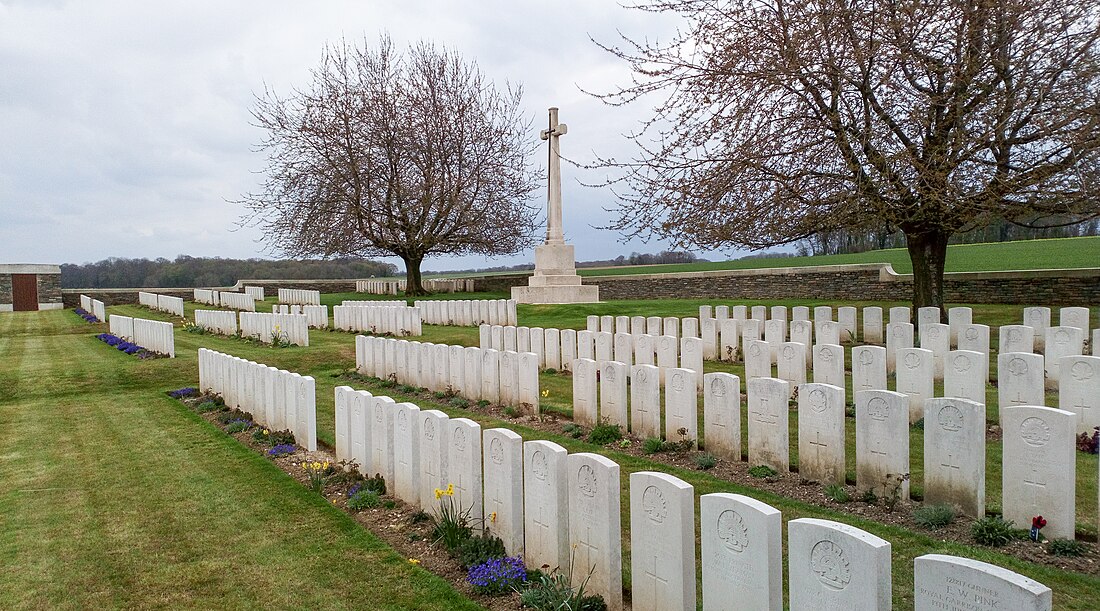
(554, 233)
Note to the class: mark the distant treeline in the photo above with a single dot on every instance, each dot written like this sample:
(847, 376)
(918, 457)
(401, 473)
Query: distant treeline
(842, 242)
(666, 256)
(211, 271)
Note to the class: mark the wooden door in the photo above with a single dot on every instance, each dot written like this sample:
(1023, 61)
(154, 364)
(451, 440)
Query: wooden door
(24, 289)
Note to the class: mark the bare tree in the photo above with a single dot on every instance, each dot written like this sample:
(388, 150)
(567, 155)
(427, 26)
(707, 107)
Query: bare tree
(412, 155)
(778, 120)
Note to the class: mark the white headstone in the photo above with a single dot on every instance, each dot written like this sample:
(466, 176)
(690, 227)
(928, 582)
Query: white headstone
(882, 443)
(1075, 317)
(775, 333)
(1016, 338)
(568, 348)
(585, 411)
(490, 376)
(846, 318)
(963, 376)
(671, 326)
(471, 364)
(760, 313)
(691, 357)
(613, 405)
(708, 330)
(623, 348)
(872, 325)
(958, 318)
(605, 347)
(503, 479)
(527, 382)
(1079, 390)
(552, 348)
(607, 324)
(681, 406)
(742, 553)
(653, 325)
(645, 401)
(950, 582)
(836, 566)
(802, 331)
(1019, 379)
(928, 315)
(406, 453)
(645, 349)
(1038, 318)
(728, 340)
(382, 412)
(1038, 472)
(954, 454)
(821, 433)
(662, 542)
(1060, 342)
(667, 353)
(976, 339)
(546, 505)
(739, 312)
(791, 363)
(622, 324)
(595, 530)
(433, 444)
(751, 329)
(800, 313)
(757, 359)
(937, 338)
(769, 417)
(586, 345)
(637, 325)
(898, 336)
(829, 364)
(899, 314)
(463, 461)
(914, 379)
(722, 414)
(690, 327)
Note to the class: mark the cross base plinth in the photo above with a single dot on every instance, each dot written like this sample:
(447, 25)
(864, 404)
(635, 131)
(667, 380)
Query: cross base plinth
(555, 279)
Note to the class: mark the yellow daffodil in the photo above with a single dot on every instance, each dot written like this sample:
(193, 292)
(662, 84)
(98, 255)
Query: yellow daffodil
(493, 517)
(413, 561)
(546, 393)
(450, 488)
(438, 493)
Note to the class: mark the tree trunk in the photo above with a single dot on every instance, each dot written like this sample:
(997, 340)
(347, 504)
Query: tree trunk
(928, 252)
(413, 285)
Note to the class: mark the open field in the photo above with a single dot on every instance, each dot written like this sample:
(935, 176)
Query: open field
(158, 508)
(1054, 253)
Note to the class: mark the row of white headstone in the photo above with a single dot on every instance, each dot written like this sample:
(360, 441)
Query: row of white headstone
(316, 315)
(217, 321)
(272, 328)
(399, 320)
(237, 301)
(1020, 382)
(277, 399)
(559, 348)
(164, 303)
(380, 287)
(562, 510)
(257, 292)
(206, 296)
(94, 307)
(506, 378)
(468, 312)
(153, 335)
(448, 285)
(299, 296)
(374, 303)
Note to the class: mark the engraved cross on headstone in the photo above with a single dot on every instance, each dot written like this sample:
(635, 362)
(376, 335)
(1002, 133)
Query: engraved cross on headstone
(818, 445)
(554, 233)
(659, 583)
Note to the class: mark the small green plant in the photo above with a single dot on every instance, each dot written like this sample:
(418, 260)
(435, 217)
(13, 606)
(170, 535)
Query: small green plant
(281, 438)
(993, 531)
(837, 493)
(279, 338)
(439, 394)
(652, 445)
(555, 591)
(460, 403)
(478, 549)
(236, 426)
(510, 411)
(315, 474)
(376, 484)
(934, 516)
(389, 504)
(605, 433)
(452, 523)
(407, 389)
(195, 328)
(1067, 547)
(551, 370)
(706, 461)
(918, 425)
(892, 489)
(573, 430)
(762, 471)
(207, 406)
(360, 498)
(869, 497)
(483, 403)
(420, 516)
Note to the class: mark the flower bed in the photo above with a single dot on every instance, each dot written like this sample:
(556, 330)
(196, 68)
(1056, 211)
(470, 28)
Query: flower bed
(86, 315)
(128, 347)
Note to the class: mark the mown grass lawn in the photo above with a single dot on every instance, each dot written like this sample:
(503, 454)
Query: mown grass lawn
(113, 495)
(78, 361)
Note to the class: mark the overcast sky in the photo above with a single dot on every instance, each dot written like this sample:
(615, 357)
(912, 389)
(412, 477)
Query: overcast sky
(125, 125)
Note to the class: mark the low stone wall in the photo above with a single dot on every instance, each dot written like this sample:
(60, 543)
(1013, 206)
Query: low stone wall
(870, 282)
